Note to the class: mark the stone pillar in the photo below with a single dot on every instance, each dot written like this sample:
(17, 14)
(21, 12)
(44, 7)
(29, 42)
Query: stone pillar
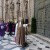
(12, 10)
(6, 11)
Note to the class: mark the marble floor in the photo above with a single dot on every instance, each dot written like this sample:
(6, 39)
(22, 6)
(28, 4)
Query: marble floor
(33, 44)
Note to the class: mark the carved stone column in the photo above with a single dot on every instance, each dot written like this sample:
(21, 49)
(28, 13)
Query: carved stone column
(6, 10)
(12, 9)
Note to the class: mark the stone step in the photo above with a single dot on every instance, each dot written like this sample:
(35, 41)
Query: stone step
(42, 38)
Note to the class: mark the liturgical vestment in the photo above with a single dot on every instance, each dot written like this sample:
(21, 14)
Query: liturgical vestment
(20, 34)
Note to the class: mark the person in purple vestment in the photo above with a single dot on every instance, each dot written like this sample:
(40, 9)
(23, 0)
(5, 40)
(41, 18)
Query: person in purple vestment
(2, 30)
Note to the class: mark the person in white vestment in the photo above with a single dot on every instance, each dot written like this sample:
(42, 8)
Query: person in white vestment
(16, 30)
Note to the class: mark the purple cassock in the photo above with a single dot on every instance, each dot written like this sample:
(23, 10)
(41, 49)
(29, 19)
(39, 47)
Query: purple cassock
(2, 29)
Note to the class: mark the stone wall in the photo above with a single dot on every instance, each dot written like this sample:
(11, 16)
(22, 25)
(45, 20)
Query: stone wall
(8, 17)
(42, 14)
(0, 10)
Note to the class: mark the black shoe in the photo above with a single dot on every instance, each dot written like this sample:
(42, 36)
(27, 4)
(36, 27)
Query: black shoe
(25, 44)
(8, 34)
